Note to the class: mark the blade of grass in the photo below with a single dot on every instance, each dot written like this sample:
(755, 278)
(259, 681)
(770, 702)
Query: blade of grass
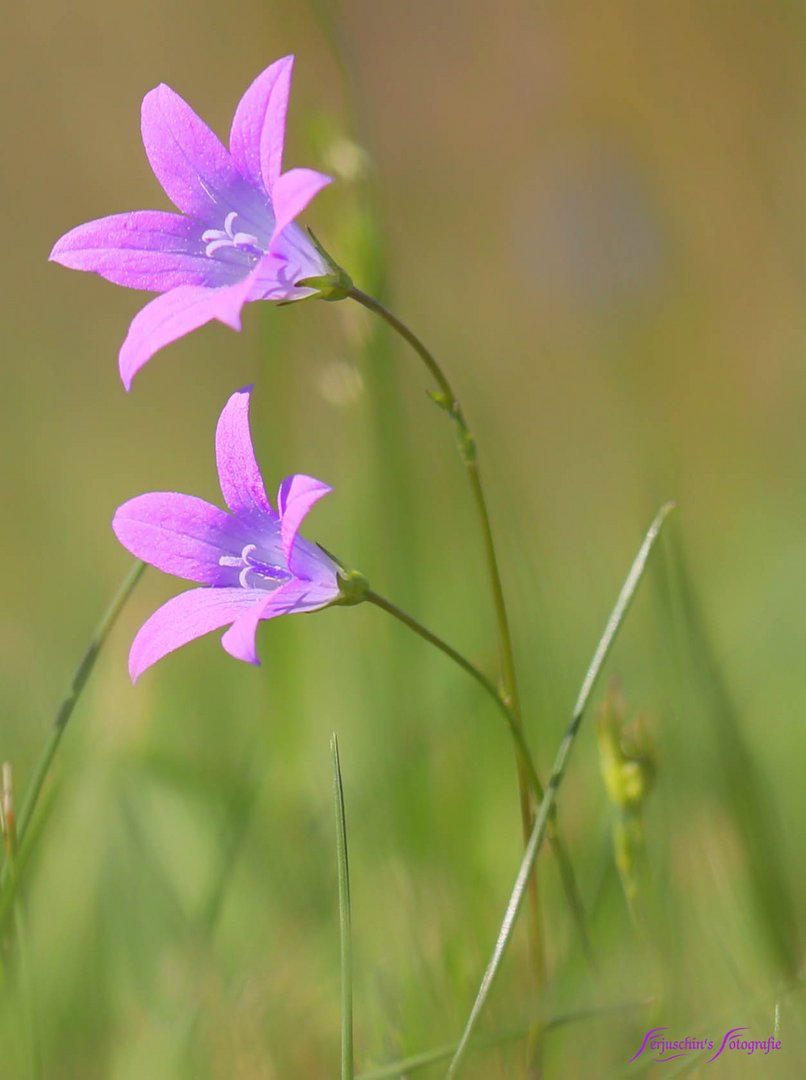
(397, 1069)
(344, 919)
(65, 711)
(543, 817)
(738, 780)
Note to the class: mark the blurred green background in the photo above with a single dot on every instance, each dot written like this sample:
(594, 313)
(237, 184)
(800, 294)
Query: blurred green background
(596, 216)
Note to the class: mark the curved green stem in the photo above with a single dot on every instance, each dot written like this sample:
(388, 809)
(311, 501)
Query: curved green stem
(524, 758)
(472, 670)
(448, 401)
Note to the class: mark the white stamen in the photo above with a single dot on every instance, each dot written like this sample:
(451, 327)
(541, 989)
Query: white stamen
(216, 239)
(229, 221)
(216, 245)
(244, 239)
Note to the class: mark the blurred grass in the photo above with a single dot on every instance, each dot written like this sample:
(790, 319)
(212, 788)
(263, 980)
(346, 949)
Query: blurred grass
(596, 218)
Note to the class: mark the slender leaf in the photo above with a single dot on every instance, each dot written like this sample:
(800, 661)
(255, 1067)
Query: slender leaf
(544, 812)
(344, 919)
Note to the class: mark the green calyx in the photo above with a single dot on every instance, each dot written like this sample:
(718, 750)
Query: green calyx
(353, 587)
(335, 285)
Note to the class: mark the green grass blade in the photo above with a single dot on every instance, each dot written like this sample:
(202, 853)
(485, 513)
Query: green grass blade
(544, 812)
(739, 781)
(344, 919)
(70, 700)
(395, 1070)
(65, 711)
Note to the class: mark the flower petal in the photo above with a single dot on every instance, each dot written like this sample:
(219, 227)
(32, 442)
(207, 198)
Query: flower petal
(190, 162)
(173, 314)
(184, 618)
(291, 193)
(295, 498)
(181, 535)
(258, 127)
(238, 472)
(147, 249)
(275, 274)
(290, 599)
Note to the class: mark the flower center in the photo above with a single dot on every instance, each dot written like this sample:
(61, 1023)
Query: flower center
(215, 239)
(248, 564)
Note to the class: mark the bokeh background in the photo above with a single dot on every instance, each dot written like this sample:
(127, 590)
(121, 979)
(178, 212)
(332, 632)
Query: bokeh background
(596, 216)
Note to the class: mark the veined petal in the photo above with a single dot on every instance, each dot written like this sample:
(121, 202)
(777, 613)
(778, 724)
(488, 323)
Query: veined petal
(258, 127)
(173, 314)
(290, 599)
(295, 498)
(188, 159)
(276, 273)
(180, 534)
(146, 249)
(291, 193)
(184, 618)
(238, 472)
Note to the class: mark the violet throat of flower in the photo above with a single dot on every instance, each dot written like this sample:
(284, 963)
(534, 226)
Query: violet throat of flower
(248, 564)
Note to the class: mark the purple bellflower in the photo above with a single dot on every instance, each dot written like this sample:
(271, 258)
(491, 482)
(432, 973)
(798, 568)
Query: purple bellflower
(235, 239)
(251, 561)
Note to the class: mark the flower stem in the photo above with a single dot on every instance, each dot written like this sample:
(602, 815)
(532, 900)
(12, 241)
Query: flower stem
(448, 400)
(471, 669)
(524, 758)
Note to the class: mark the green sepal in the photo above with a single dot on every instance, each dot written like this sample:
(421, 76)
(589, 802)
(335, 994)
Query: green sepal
(353, 588)
(337, 285)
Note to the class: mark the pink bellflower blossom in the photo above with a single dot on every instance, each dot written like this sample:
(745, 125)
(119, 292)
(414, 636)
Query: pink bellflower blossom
(251, 562)
(235, 239)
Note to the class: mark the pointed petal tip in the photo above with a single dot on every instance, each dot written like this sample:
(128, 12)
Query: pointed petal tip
(242, 645)
(238, 471)
(291, 193)
(158, 89)
(136, 667)
(126, 376)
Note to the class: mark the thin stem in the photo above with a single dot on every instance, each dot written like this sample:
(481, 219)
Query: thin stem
(70, 700)
(563, 861)
(467, 449)
(378, 308)
(471, 669)
(543, 817)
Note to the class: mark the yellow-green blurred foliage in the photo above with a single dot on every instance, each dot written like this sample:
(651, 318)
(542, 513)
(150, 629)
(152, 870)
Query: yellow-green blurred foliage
(596, 215)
